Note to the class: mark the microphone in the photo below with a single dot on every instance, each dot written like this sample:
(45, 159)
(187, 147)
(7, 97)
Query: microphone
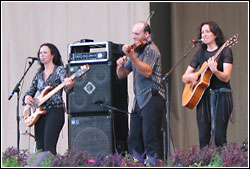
(36, 59)
(197, 41)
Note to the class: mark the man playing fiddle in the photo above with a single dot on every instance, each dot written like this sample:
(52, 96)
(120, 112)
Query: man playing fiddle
(144, 59)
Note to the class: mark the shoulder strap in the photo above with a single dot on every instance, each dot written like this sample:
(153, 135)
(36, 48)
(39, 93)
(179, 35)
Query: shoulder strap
(53, 78)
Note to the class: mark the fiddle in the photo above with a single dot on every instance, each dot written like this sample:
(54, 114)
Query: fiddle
(142, 43)
(138, 45)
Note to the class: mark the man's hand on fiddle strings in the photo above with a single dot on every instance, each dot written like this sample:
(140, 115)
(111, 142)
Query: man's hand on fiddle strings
(128, 51)
(125, 49)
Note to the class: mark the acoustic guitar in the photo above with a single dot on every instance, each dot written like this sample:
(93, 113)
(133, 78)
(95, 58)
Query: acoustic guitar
(32, 113)
(193, 92)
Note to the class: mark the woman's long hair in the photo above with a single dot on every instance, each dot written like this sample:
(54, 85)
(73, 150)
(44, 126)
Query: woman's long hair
(57, 60)
(216, 31)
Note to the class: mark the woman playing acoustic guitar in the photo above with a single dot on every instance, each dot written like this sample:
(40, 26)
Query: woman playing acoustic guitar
(216, 104)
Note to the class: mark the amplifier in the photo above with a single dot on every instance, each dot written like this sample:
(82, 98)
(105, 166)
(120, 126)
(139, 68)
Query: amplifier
(92, 52)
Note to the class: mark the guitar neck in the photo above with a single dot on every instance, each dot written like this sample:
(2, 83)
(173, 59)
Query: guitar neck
(204, 66)
(218, 52)
(52, 92)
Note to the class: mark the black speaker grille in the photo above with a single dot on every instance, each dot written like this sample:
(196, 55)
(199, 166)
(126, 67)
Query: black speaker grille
(93, 87)
(92, 134)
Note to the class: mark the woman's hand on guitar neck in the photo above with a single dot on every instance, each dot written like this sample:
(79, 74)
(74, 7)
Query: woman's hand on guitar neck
(69, 82)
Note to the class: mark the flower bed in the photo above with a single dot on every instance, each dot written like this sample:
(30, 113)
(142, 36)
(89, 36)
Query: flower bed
(230, 155)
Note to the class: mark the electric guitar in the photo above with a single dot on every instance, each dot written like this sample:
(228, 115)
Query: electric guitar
(32, 113)
(193, 92)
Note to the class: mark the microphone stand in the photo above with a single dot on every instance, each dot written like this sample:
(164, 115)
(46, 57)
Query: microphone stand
(112, 108)
(165, 79)
(17, 90)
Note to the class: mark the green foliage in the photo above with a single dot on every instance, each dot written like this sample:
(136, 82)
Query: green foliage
(14, 158)
(12, 162)
(46, 162)
(40, 159)
(216, 162)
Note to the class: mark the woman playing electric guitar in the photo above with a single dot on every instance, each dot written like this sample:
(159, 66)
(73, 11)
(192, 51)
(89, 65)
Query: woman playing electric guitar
(51, 73)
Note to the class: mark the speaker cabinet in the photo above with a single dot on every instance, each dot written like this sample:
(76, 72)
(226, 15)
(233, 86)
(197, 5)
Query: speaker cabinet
(98, 134)
(99, 85)
(95, 124)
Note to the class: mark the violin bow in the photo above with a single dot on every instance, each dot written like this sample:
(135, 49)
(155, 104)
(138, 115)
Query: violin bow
(150, 16)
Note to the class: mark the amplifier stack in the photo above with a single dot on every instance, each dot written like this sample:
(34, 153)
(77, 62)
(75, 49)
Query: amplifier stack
(89, 122)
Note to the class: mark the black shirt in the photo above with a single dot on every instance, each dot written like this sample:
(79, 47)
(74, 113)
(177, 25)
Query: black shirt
(225, 56)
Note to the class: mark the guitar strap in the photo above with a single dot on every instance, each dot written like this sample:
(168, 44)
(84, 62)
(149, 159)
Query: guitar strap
(53, 78)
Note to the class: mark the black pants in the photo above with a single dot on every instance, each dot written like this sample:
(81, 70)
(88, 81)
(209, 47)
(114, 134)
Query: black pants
(48, 128)
(223, 106)
(145, 128)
